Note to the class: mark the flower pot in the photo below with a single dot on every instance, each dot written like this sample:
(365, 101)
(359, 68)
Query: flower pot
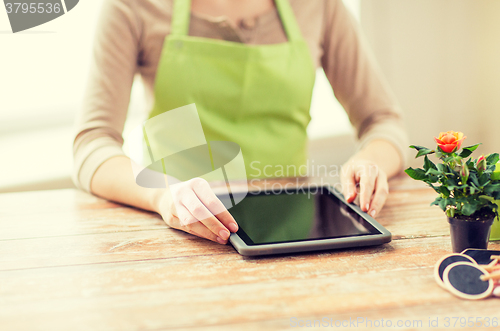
(469, 234)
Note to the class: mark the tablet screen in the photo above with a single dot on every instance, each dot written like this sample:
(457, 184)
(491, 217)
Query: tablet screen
(297, 215)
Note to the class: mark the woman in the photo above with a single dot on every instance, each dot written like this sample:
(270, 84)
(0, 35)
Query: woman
(249, 67)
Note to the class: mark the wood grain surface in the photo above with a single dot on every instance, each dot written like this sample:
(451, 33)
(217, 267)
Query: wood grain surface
(72, 261)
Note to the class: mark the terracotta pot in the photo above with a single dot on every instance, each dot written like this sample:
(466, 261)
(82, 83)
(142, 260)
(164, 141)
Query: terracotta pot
(469, 234)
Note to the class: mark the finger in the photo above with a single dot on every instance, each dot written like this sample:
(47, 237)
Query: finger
(188, 223)
(380, 195)
(214, 205)
(348, 183)
(200, 230)
(194, 227)
(367, 185)
(199, 212)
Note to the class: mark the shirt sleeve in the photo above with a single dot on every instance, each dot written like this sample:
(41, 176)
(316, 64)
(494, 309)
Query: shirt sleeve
(100, 122)
(357, 81)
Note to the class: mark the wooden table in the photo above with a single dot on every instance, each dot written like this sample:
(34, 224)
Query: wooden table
(71, 261)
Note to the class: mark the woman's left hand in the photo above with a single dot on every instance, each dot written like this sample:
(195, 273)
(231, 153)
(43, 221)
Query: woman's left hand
(365, 178)
(366, 175)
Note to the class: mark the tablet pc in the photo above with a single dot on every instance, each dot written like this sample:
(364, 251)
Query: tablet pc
(300, 220)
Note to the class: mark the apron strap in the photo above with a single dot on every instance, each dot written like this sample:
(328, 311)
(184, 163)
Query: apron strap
(288, 20)
(181, 12)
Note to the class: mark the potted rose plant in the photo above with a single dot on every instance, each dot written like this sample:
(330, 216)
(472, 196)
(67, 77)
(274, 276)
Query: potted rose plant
(467, 188)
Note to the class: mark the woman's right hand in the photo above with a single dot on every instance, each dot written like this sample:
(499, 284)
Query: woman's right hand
(193, 207)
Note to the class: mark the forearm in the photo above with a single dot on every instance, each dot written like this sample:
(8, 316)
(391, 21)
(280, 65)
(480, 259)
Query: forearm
(383, 154)
(114, 180)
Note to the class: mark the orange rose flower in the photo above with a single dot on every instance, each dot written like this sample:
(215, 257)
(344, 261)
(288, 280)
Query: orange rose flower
(450, 141)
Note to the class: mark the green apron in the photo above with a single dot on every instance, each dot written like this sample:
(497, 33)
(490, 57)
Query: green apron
(257, 96)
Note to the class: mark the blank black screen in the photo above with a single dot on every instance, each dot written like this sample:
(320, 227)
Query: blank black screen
(297, 215)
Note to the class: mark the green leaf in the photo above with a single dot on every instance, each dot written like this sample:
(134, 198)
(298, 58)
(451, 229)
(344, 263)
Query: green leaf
(451, 183)
(466, 151)
(443, 203)
(467, 210)
(448, 159)
(421, 150)
(417, 147)
(483, 180)
(444, 190)
(492, 158)
(473, 179)
(417, 174)
(431, 179)
(433, 172)
(485, 197)
(470, 208)
(424, 152)
(490, 168)
(448, 171)
(493, 188)
(474, 186)
(428, 164)
(472, 148)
